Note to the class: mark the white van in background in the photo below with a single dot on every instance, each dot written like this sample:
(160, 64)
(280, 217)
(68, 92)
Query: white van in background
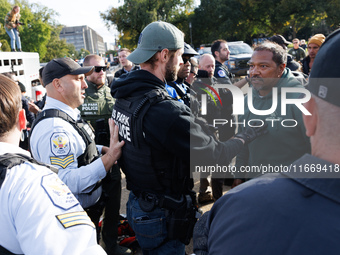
(25, 65)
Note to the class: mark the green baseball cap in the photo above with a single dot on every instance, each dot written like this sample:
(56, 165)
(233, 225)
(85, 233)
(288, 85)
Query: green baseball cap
(155, 37)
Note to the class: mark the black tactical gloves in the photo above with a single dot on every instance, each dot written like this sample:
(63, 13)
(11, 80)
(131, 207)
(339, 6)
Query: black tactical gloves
(251, 133)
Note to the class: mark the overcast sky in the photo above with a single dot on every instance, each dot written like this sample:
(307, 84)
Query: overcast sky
(83, 12)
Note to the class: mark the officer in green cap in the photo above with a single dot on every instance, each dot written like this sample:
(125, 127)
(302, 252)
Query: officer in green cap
(160, 138)
(97, 109)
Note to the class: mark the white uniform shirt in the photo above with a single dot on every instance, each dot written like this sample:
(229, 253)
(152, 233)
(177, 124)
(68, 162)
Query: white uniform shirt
(35, 212)
(56, 142)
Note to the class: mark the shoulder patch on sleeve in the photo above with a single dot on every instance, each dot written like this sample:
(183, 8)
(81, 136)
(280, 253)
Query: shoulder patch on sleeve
(60, 144)
(63, 162)
(75, 218)
(221, 73)
(60, 195)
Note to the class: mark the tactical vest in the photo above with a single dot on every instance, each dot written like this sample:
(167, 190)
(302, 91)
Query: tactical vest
(146, 168)
(7, 161)
(85, 131)
(97, 104)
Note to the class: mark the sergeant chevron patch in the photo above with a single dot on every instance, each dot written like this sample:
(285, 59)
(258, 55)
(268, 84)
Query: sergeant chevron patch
(75, 218)
(63, 162)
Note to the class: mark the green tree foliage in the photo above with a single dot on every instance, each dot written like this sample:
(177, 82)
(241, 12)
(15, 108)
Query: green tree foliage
(35, 33)
(333, 14)
(245, 19)
(83, 53)
(56, 48)
(40, 32)
(5, 7)
(131, 18)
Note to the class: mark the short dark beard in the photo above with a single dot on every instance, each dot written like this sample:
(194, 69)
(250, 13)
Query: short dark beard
(170, 70)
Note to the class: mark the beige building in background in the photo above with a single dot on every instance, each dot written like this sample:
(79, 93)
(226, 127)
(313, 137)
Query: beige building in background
(84, 37)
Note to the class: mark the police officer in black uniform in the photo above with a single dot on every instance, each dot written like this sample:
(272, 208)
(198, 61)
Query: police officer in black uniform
(220, 51)
(161, 140)
(182, 87)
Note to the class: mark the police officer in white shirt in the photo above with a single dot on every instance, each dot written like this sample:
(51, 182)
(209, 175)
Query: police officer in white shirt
(60, 138)
(38, 213)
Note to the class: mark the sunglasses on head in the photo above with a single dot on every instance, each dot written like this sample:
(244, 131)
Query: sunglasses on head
(97, 69)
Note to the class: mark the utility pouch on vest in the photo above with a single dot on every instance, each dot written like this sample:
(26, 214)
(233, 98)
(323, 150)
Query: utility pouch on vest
(148, 202)
(181, 221)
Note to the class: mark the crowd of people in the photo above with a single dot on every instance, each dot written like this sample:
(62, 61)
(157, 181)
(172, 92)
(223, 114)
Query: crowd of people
(155, 122)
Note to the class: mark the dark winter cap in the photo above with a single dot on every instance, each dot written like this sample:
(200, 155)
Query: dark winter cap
(324, 79)
(60, 67)
(188, 50)
(155, 37)
(279, 39)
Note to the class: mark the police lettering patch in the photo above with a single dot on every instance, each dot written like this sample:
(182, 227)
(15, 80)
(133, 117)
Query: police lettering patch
(63, 162)
(90, 109)
(60, 144)
(60, 195)
(74, 219)
(221, 73)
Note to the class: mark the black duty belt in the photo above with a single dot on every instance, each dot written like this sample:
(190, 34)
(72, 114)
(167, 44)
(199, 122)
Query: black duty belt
(148, 201)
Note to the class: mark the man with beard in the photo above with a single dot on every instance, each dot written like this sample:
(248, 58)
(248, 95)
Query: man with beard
(294, 212)
(286, 141)
(97, 109)
(220, 51)
(161, 140)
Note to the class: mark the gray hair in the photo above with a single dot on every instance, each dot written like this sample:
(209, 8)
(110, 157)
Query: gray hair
(279, 54)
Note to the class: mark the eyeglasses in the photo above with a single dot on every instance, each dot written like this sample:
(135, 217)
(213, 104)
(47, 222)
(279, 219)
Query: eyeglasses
(97, 69)
(195, 74)
(185, 59)
(295, 42)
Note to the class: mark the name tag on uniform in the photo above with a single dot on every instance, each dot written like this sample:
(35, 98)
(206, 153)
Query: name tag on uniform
(89, 109)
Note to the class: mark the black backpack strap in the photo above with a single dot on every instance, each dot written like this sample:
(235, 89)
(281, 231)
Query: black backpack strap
(54, 113)
(151, 98)
(51, 113)
(10, 160)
